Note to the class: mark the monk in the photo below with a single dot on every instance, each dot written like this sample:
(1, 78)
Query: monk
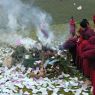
(85, 33)
(89, 56)
(72, 26)
(70, 45)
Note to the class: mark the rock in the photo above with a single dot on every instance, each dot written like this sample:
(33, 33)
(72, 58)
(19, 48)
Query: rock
(8, 61)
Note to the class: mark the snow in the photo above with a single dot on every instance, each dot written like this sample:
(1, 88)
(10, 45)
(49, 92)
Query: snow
(79, 7)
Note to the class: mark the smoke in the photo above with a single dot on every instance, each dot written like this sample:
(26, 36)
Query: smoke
(10, 38)
(42, 23)
(16, 16)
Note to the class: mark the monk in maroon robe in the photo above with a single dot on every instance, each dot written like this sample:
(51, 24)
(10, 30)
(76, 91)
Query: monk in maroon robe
(85, 33)
(89, 56)
(83, 63)
(70, 45)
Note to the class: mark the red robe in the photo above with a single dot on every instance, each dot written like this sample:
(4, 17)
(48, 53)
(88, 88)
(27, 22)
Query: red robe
(93, 79)
(84, 62)
(78, 59)
(72, 26)
(94, 19)
(89, 55)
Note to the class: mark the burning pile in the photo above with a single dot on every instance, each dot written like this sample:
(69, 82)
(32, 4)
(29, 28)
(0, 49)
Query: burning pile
(43, 61)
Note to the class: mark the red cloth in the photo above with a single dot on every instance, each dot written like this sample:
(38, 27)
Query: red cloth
(84, 64)
(89, 49)
(86, 68)
(92, 73)
(72, 22)
(83, 44)
(88, 58)
(72, 26)
(87, 33)
(92, 40)
(70, 43)
(94, 19)
(78, 58)
(88, 55)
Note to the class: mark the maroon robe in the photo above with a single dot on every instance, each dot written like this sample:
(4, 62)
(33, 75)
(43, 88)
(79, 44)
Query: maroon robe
(70, 44)
(94, 19)
(92, 75)
(89, 56)
(84, 62)
(78, 59)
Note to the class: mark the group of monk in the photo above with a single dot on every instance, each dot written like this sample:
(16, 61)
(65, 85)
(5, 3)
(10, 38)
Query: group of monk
(81, 45)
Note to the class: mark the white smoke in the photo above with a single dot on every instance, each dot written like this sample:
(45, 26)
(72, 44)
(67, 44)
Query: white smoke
(42, 22)
(10, 38)
(18, 16)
